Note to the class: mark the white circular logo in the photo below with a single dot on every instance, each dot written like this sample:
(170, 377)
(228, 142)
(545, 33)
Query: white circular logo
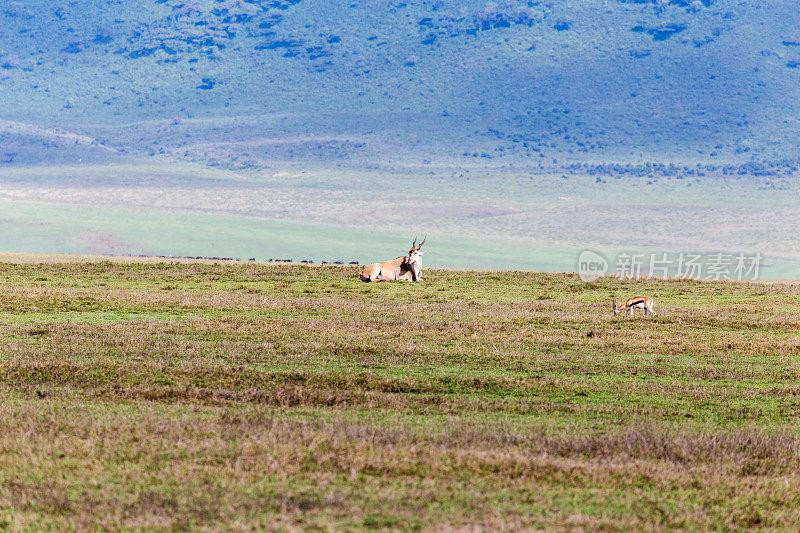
(591, 266)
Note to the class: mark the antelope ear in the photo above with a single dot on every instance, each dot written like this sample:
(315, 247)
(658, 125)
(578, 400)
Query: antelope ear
(422, 253)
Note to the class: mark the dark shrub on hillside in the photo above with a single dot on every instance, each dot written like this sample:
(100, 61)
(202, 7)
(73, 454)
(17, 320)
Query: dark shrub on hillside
(274, 44)
(207, 83)
(72, 48)
(102, 38)
(235, 11)
(662, 33)
(503, 16)
(270, 21)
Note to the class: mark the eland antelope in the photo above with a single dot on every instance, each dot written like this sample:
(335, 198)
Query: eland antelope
(404, 268)
(637, 302)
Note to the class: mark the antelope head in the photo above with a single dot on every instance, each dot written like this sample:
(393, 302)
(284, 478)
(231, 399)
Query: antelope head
(414, 254)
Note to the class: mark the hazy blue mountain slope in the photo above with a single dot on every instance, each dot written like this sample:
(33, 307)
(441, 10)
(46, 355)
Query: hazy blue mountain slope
(709, 81)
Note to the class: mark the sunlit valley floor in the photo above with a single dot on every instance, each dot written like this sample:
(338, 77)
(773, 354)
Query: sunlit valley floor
(480, 217)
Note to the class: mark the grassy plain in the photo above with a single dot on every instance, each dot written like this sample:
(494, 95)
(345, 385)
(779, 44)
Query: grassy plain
(197, 395)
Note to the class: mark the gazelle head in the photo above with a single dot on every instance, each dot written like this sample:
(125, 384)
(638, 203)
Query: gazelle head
(414, 254)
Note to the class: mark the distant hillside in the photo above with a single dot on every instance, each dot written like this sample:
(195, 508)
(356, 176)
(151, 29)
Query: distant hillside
(536, 83)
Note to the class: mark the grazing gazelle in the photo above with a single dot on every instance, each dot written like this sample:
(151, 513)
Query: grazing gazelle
(406, 268)
(637, 302)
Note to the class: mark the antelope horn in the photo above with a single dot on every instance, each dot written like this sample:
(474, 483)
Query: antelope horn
(413, 246)
(423, 242)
